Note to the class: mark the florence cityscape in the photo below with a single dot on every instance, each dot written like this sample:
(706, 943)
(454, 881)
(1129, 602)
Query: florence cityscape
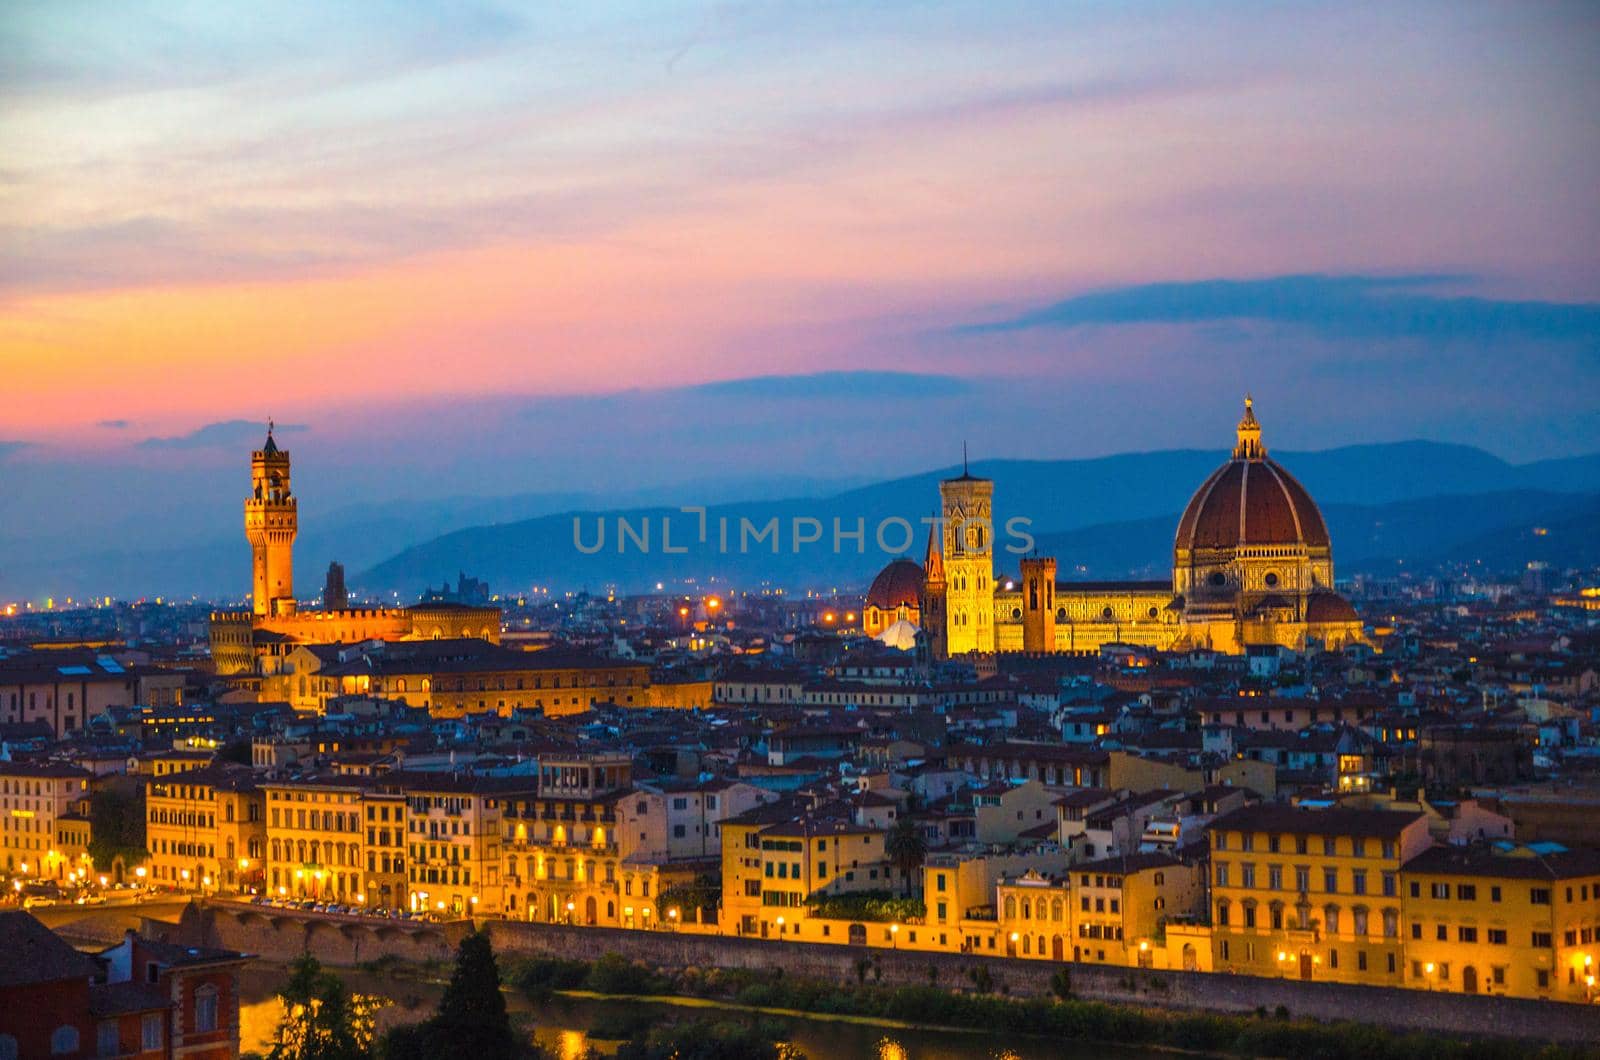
(681, 531)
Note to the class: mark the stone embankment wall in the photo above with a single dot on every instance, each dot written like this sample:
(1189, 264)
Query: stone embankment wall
(280, 935)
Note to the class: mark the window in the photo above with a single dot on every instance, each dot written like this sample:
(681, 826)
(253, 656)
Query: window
(1539, 895)
(1466, 934)
(1497, 936)
(1541, 940)
(8, 1047)
(1467, 892)
(106, 1041)
(64, 1040)
(1358, 882)
(1441, 933)
(1330, 880)
(205, 1008)
(1494, 894)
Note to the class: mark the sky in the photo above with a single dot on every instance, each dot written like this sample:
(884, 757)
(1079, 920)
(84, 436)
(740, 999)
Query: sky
(475, 249)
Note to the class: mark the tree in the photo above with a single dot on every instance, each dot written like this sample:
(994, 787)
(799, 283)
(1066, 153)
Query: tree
(471, 1023)
(321, 1020)
(116, 826)
(906, 848)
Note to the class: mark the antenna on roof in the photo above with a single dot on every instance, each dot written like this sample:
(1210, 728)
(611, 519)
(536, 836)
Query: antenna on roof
(964, 459)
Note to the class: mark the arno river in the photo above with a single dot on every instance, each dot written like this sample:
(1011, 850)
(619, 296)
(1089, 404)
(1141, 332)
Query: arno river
(564, 1026)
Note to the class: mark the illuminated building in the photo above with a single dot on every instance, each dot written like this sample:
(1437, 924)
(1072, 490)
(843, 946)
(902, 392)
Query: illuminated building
(33, 799)
(895, 596)
(1503, 919)
(314, 837)
(455, 677)
(206, 830)
(385, 850)
(257, 641)
(774, 863)
(453, 839)
(586, 847)
(1311, 894)
(1252, 564)
(271, 520)
(968, 564)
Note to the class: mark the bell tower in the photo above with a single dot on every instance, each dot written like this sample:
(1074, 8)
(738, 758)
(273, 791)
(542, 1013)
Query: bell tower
(968, 562)
(271, 517)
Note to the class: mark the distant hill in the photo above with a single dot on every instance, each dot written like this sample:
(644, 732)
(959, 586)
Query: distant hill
(1117, 514)
(1061, 494)
(1496, 529)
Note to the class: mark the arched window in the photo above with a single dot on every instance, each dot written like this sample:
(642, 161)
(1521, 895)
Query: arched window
(64, 1040)
(1011, 907)
(8, 1047)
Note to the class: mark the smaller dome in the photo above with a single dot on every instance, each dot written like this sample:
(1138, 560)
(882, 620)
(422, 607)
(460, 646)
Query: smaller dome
(902, 636)
(897, 585)
(1329, 607)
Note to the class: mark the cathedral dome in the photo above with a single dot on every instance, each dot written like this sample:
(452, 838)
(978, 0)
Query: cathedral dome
(1250, 502)
(897, 585)
(1330, 607)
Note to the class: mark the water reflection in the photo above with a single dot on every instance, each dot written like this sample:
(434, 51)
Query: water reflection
(565, 1027)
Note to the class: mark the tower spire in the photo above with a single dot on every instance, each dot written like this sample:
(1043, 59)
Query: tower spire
(1248, 444)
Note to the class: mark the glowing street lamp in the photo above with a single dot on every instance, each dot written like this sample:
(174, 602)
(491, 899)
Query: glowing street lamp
(139, 872)
(894, 935)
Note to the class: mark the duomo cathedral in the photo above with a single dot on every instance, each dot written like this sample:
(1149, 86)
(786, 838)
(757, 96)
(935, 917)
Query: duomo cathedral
(1251, 565)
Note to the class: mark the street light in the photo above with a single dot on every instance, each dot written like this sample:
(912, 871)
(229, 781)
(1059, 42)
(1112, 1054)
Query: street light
(780, 925)
(894, 936)
(570, 908)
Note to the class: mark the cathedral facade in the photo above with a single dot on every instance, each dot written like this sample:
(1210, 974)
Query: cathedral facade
(260, 640)
(1252, 565)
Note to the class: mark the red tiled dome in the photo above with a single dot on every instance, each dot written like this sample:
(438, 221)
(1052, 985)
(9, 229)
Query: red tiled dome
(1251, 502)
(1330, 607)
(900, 583)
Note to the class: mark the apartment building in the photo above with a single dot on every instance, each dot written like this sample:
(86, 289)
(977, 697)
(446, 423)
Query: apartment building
(1311, 893)
(1503, 919)
(33, 800)
(206, 830)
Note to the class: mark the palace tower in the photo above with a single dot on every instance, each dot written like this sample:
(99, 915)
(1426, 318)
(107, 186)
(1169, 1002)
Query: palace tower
(271, 518)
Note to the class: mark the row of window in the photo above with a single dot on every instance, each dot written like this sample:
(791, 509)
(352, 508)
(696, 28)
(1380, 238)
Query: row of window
(1222, 872)
(1246, 841)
